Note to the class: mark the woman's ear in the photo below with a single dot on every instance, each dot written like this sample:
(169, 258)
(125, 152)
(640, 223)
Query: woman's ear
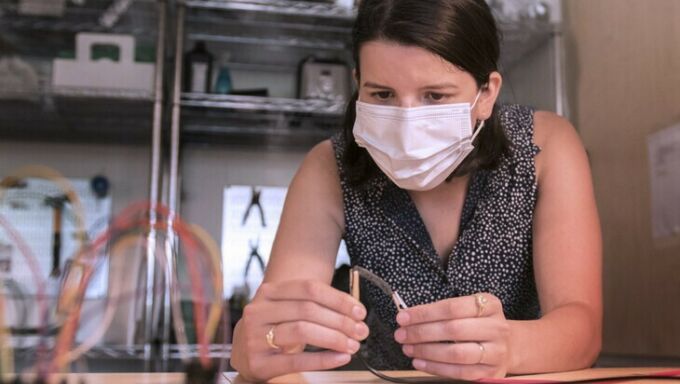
(489, 95)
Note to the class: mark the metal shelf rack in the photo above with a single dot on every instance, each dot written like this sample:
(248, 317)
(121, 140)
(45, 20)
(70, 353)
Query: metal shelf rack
(281, 7)
(280, 41)
(272, 33)
(48, 37)
(93, 93)
(270, 27)
(76, 113)
(79, 116)
(256, 28)
(89, 115)
(266, 104)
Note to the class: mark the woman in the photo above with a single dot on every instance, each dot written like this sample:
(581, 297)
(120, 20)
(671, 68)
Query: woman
(482, 217)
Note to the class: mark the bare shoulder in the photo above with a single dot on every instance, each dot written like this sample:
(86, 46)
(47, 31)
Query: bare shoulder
(559, 142)
(322, 155)
(320, 165)
(550, 127)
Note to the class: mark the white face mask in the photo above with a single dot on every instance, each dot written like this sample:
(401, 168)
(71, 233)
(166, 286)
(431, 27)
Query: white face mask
(417, 148)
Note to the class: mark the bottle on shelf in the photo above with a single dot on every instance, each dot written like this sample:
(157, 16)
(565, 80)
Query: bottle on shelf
(198, 69)
(223, 84)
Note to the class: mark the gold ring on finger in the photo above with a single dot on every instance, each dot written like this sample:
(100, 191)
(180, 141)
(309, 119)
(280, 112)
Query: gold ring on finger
(482, 351)
(270, 338)
(481, 302)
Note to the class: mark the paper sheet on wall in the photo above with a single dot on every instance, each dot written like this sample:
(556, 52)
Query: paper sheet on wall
(248, 228)
(664, 162)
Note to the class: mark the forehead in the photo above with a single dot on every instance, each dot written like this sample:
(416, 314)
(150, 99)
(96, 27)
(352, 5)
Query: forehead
(385, 61)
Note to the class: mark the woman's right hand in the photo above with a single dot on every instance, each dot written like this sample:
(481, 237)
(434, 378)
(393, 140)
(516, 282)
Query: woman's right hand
(301, 312)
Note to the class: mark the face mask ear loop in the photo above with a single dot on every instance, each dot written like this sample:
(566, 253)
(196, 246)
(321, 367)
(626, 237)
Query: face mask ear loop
(474, 103)
(481, 124)
(474, 136)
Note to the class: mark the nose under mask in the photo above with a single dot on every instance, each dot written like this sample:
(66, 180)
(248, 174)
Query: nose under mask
(417, 148)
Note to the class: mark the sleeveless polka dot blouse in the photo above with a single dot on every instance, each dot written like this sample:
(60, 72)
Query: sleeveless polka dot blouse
(385, 234)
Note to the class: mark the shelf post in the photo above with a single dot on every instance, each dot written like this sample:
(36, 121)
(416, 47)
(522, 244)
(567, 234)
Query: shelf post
(156, 327)
(561, 104)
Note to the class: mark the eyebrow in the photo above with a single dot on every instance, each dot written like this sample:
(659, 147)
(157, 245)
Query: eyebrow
(441, 86)
(369, 84)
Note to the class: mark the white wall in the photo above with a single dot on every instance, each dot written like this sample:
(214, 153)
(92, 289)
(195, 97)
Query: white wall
(207, 170)
(624, 63)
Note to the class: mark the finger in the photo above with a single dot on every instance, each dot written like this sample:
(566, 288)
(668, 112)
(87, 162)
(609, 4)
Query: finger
(278, 365)
(317, 292)
(287, 311)
(483, 329)
(290, 335)
(454, 353)
(454, 308)
(456, 371)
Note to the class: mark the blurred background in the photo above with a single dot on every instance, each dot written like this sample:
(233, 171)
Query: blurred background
(210, 106)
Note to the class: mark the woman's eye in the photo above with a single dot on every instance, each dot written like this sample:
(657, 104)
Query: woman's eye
(382, 95)
(436, 96)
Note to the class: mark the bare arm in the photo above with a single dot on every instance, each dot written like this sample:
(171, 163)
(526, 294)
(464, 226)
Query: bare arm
(295, 303)
(312, 221)
(567, 258)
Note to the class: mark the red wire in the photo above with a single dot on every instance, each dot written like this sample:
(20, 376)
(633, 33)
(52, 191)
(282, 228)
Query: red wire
(186, 235)
(124, 222)
(671, 373)
(674, 372)
(518, 381)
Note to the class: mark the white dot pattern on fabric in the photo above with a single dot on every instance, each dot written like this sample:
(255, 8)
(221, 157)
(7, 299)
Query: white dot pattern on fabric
(384, 233)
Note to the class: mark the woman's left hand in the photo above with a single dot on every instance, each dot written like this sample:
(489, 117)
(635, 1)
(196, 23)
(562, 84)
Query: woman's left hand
(464, 337)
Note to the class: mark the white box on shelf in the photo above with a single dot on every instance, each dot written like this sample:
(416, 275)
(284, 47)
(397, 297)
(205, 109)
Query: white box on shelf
(103, 74)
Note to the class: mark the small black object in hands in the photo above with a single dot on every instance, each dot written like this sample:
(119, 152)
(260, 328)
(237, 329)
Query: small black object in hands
(196, 373)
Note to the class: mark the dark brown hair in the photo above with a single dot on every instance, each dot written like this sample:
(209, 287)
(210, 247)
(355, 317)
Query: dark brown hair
(463, 32)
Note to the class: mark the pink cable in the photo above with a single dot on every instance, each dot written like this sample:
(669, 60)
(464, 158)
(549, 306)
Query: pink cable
(122, 222)
(671, 373)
